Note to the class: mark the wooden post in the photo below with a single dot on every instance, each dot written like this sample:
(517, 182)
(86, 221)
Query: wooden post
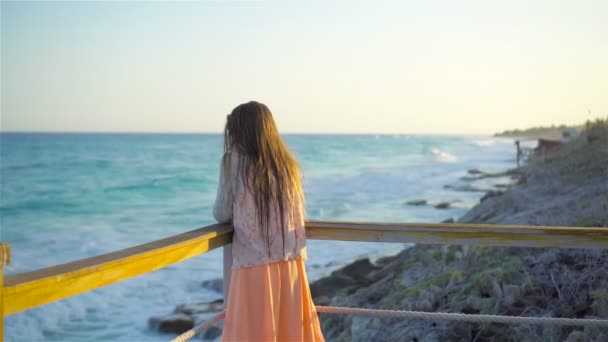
(519, 154)
(5, 259)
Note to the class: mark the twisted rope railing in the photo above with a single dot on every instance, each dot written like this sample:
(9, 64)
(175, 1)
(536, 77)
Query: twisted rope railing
(450, 316)
(196, 330)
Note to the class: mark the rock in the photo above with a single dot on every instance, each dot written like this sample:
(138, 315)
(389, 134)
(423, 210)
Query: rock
(212, 333)
(322, 300)
(175, 323)
(465, 187)
(426, 301)
(496, 290)
(442, 205)
(359, 270)
(483, 175)
(198, 308)
(423, 305)
(511, 294)
(216, 285)
(490, 194)
(436, 290)
(474, 304)
(416, 202)
(351, 276)
(359, 324)
(385, 260)
(330, 264)
(450, 220)
(328, 286)
(577, 336)
(474, 171)
(416, 273)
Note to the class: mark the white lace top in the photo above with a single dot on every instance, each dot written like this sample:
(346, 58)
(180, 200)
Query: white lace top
(237, 204)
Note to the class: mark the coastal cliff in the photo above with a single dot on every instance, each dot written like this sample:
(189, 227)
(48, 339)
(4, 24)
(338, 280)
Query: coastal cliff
(566, 188)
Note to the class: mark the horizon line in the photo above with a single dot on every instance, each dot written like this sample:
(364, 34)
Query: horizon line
(221, 133)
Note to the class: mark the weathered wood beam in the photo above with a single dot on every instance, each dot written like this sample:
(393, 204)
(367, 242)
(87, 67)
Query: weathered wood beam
(461, 234)
(31, 289)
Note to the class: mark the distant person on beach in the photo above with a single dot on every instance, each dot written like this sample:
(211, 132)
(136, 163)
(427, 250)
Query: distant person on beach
(268, 296)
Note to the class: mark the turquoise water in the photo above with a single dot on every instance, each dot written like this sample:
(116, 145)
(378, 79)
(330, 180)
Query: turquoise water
(70, 196)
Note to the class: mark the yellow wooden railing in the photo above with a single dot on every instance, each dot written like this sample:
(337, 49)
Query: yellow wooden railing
(28, 290)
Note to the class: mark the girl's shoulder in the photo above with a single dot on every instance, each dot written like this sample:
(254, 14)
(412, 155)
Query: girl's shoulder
(232, 158)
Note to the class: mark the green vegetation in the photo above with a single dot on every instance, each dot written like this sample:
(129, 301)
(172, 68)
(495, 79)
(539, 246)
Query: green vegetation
(482, 280)
(553, 131)
(585, 157)
(530, 281)
(539, 131)
(475, 273)
(590, 222)
(600, 301)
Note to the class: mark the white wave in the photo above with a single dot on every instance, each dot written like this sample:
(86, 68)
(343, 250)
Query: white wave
(443, 156)
(485, 142)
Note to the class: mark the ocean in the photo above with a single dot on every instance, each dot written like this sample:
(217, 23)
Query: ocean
(65, 197)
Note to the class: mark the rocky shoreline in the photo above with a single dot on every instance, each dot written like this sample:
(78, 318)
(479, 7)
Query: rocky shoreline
(569, 189)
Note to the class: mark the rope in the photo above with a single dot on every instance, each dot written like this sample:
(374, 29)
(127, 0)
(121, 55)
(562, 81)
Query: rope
(194, 331)
(464, 317)
(450, 316)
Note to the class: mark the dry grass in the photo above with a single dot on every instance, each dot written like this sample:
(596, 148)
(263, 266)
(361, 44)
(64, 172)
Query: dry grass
(584, 158)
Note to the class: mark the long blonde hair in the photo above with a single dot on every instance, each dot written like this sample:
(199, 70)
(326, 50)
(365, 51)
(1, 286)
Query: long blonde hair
(270, 170)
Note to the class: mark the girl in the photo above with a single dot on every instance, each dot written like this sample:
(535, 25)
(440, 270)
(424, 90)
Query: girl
(268, 297)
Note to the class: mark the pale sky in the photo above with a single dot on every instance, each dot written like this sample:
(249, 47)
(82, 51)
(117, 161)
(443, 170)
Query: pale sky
(345, 67)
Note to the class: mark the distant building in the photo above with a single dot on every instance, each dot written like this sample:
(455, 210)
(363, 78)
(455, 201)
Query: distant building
(568, 135)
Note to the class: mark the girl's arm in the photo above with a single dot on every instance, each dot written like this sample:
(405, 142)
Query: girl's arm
(227, 271)
(222, 209)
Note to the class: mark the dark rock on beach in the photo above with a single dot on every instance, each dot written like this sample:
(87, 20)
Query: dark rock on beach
(385, 260)
(442, 205)
(174, 323)
(416, 202)
(358, 270)
(349, 277)
(513, 174)
(186, 316)
(464, 187)
(216, 285)
(490, 194)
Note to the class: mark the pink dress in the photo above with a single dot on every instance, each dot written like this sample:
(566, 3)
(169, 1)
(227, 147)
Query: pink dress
(269, 297)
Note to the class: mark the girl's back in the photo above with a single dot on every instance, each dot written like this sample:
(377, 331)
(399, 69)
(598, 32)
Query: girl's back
(287, 235)
(260, 193)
